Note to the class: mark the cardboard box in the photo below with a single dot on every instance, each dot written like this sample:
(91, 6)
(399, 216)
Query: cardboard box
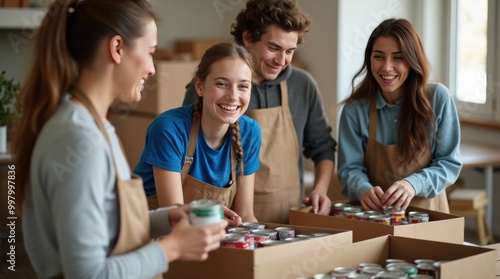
(497, 248)
(463, 261)
(196, 47)
(281, 261)
(441, 227)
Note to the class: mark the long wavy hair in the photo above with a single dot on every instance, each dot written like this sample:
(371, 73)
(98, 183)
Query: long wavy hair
(66, 41)
(416, 122)
(258, 15)
(212, 55)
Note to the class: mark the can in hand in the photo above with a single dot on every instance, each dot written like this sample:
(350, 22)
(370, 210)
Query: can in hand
(204, 213)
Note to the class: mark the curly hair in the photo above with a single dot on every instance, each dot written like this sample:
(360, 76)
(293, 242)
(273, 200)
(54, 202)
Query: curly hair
(260, 14)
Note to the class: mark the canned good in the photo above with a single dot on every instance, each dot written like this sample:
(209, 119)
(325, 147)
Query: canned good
(358, 276)
(303, 236)
(391, 275)
(363, 216)
(350, 212)
(253, 225)
(270, 232)
(322, 276)
(424, 261)
(271, 242)
(205, 212)
(426, 269)
(363, 265)
(418, 217)
(344, 270)
(285, 232)
(407, 268)
(313, 235)
(293, 239)
(397, 216)
(380, 219)
(437, 268)
(237, 240)
(338, 209)
(258, 239)
(239, 230)
(371, 270)
(390, 261)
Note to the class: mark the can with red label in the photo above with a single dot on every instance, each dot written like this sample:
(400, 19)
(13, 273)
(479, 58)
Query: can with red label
(350, 212)
(285, 232)
(258, 238)
(397, 215)
(426, 269)
(237, 240)
(418, 217)
(253, 225)
(242, 230)
(273, 235)
(380, 219)
(338, 209)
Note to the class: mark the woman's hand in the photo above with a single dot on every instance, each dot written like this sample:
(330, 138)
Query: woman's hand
(372, 199)
(187, 242)
(399, 195)
(232, 218)
(321, 203)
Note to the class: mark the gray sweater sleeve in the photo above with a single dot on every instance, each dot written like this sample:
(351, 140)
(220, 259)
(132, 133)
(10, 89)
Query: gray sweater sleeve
(72, 223)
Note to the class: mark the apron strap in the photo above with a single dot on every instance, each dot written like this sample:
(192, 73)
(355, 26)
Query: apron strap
(188, 159)
(373, 118)
(284, 93)
(79, 95)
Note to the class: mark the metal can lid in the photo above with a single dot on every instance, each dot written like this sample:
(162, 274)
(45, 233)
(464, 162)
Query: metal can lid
(272, 242)
(391, 275)
(284, 229)
(424, 261)
(344, 270)
(253, 225)
(234, 237)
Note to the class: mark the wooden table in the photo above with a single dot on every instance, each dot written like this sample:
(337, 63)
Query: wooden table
(477, 155)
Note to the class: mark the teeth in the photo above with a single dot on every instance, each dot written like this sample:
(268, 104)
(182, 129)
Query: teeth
(229, 107)
(143, 81)
(388, 77)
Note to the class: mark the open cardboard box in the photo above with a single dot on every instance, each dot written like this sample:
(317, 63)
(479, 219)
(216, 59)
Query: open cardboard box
(281, 261)
(463, 261)
(441, 227)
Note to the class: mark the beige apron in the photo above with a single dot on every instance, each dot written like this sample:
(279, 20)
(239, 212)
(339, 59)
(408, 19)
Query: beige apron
(277, 182)
(384, 167)
(194, 189)
(134, 217)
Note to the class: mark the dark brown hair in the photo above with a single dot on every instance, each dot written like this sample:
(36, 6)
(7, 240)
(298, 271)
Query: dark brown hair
(416, 123)
(260, 14)
(66, 41)
(212, 55)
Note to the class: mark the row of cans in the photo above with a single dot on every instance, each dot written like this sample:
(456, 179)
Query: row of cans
(389, 216)
(254, 235)
(394, 269)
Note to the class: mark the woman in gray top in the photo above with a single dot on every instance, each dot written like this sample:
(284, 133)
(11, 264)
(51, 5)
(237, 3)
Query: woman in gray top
(79, 219)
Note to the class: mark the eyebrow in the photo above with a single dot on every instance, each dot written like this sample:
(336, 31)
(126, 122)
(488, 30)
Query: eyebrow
(378, 51)
(278, 46)
(226, 79)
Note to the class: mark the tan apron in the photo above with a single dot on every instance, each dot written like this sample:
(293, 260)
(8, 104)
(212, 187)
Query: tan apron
(134, 217)
(194, 189)
(277, 182)
(384, 167)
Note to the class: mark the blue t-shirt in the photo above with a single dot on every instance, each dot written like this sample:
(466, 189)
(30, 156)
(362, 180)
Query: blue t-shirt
(166, 146)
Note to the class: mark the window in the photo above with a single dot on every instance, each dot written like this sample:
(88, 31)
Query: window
(474, 78)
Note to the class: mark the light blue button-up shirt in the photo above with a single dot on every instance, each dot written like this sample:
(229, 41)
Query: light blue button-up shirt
(353, 138)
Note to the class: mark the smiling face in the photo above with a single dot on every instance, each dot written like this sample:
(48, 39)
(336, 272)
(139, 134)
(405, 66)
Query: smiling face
(274, 51)
(389, 68)
(137, 65)
(226, 91)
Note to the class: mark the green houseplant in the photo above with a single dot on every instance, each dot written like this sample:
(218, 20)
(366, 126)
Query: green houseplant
(9, 90)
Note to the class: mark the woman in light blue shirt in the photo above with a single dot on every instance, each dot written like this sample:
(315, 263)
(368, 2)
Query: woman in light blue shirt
(399, 135)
